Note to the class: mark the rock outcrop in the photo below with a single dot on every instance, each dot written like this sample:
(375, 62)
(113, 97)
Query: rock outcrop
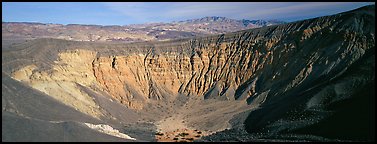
(108, 130)
(264, 67)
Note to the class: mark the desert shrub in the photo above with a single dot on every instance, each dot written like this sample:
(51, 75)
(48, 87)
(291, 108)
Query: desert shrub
(190, 139)
(159, 133)
(183, 134)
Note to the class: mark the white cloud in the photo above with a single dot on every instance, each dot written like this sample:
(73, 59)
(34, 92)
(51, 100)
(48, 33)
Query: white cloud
(135, 10)
(168, 11)
(299, 9)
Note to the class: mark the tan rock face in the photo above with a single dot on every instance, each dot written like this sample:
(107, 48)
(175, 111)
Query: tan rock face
(72, 68)
(213, 70)
(136, 79)
(232, 66)
(122, 78)
(153, 76)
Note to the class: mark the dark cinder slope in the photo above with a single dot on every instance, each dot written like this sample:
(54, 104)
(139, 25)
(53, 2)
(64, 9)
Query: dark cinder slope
(23, 100)
(30, 115)
(20, 129)
(337, 104)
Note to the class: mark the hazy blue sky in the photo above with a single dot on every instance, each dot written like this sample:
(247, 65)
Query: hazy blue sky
(123, 13)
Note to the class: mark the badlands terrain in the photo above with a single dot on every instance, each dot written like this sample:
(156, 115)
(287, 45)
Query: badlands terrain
(310, 80)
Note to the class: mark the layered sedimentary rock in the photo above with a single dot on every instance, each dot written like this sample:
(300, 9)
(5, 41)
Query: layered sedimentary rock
(71, 69)
(240, 65)
(261, 66)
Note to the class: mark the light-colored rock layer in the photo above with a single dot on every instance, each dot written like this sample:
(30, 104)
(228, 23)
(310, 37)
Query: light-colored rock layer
(108, 130)
(73, 68)
(263, 62)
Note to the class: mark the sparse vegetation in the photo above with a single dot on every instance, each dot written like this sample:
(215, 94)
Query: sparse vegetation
(190, 139)
(183, 134)
(159, 133)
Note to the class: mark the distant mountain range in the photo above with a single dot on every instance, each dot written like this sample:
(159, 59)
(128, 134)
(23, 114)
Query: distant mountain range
(245, 22)
(131, 33)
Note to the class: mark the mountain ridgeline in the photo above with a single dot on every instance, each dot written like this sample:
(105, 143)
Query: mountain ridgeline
(130, 33)
(311, 80)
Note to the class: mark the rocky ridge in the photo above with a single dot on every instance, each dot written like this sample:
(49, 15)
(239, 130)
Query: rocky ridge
(129, 33)
(270, 68)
